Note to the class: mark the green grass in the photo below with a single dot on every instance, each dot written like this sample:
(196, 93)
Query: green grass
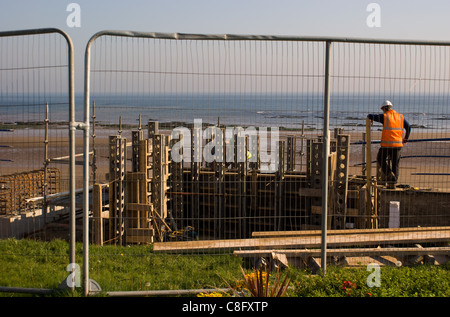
(25, 263)
(417, 281)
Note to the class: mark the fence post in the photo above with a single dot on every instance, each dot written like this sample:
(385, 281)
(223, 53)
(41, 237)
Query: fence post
(326, 150)
(85, 127)
(72, 153)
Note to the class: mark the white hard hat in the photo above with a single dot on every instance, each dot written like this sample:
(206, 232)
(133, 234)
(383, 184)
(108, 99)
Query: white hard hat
(386, 104)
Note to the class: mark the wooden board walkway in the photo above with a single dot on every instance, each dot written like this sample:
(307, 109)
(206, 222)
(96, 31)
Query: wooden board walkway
(339, 239)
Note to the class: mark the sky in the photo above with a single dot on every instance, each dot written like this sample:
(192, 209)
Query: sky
(398, 19)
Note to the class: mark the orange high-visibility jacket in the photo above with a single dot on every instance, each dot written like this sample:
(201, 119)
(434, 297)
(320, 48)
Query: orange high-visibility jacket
(392, 134)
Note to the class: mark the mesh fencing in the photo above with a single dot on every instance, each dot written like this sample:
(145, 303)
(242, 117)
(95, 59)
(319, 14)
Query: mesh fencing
(34, 174)
(414, 78)
(207, 152)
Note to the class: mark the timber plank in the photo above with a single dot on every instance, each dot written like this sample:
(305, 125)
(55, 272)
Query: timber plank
(313, 241)
(266, 234)
(139, 207)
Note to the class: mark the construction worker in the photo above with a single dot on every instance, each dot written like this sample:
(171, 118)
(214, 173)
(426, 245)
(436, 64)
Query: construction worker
(392, 140)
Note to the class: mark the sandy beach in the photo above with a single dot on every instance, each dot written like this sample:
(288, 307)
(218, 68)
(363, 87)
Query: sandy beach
(424, 164)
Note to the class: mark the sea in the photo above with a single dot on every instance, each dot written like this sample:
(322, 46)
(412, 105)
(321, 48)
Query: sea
(290, 111)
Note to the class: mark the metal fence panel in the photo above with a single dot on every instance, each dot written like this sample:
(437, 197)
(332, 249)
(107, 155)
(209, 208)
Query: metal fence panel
(36, 99)
(231, 101)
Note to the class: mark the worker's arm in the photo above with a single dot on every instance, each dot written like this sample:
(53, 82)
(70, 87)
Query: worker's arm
(376, 117)
(407, 127)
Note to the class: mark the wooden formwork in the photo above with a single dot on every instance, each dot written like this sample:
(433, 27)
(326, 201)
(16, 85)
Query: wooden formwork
(229, 200)
(117, 171)
(137, 205)
(16, 188)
